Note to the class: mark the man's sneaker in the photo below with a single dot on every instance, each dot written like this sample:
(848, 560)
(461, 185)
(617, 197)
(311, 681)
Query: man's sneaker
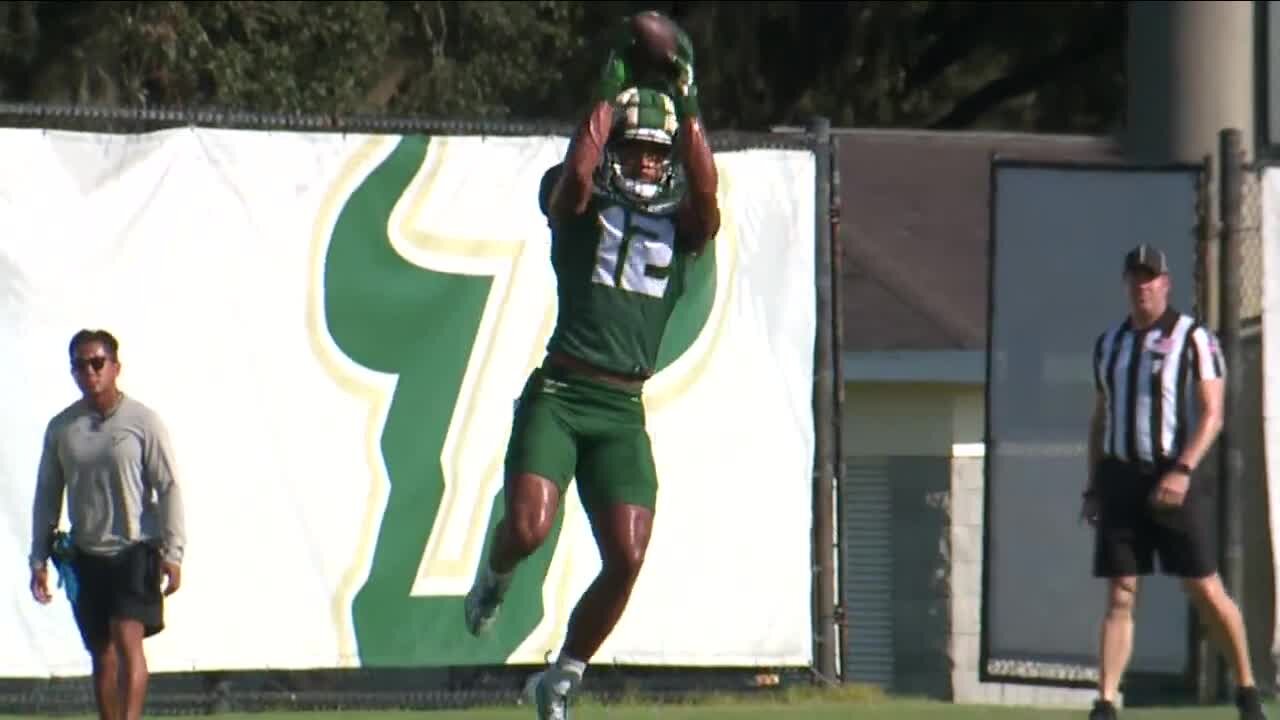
(549, 692)
(1103, 710)
(1249, 703)
(482, 603)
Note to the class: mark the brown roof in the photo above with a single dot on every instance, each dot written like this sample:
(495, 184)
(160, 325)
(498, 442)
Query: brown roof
(914, 228)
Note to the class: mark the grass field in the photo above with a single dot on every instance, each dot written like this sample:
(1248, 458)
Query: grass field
(816, 710)
(893, 711)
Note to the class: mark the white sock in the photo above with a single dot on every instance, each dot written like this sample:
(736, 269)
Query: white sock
(502, 581)
(570, 674)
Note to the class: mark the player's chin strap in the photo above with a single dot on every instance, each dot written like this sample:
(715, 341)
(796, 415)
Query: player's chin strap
(61, 551)
(643, 192)
(639, 189)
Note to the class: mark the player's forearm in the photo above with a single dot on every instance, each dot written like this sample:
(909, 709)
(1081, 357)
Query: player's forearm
(1202, 439)
(574, 188)
(704, 180)
(1096, 430)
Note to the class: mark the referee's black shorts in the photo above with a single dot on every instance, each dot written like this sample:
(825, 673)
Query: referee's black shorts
(124, 586)
(1131, 532)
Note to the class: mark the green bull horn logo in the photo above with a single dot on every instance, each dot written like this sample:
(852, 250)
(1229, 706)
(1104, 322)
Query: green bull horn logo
(434, 325)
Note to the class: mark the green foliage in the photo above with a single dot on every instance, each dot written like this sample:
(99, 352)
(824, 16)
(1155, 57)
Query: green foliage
(490, 59)
(1048, 66)
(1029, 66)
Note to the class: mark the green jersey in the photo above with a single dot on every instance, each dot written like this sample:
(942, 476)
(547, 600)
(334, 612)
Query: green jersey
(619, 272)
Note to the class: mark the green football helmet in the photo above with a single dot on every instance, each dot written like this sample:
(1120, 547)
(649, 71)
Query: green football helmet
(645, 115)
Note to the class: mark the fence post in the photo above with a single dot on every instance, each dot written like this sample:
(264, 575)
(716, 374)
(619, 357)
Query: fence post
(1230, 458)
(837, 360)
(1205, 664)
(824, 544)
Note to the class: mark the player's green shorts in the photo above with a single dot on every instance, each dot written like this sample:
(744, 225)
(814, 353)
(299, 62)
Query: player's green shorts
(568, 426)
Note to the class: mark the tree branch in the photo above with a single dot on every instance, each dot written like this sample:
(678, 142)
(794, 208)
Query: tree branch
(957, 41)
(1026, 78)
(381, 94)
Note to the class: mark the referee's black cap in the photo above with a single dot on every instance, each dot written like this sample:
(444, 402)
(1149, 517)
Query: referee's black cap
(1146, 257)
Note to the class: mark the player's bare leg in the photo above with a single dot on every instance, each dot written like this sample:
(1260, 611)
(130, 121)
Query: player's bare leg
(531, 505)
(127, 636)
(1116, 642)
(531, 502)
(622, 535)
(1226, 626)
(106, 681)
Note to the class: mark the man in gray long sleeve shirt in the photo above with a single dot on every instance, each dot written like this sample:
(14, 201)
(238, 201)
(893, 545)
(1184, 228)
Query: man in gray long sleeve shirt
(111, 456)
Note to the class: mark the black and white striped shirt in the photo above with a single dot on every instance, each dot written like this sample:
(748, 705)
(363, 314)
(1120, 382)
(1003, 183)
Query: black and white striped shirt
(1148, 379)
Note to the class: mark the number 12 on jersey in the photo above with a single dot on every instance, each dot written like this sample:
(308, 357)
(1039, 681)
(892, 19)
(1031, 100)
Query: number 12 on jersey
(635, 251)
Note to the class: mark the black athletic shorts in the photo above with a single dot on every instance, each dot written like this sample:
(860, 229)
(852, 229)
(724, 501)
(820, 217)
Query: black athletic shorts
(1131, 532)
(121, 586)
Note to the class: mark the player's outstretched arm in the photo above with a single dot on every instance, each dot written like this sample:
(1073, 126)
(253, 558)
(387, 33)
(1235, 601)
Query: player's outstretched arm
(572, 190)
(699, 216)
(700, 212)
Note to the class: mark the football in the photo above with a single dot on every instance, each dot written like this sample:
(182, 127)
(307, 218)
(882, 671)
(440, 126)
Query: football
(655, 36)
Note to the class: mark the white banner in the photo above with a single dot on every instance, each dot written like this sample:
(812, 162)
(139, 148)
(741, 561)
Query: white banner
(1271, 364)
(334, 328)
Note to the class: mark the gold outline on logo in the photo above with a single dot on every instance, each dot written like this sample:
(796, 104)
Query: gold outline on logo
(663, 388)
(355, 170)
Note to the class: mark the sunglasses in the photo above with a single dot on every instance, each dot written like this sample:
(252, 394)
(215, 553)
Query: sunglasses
(96, 362)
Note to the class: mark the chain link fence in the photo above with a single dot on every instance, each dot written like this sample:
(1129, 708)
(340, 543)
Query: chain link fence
(1252, 514)
(1238, 466)
(79, 118)
(363, 689)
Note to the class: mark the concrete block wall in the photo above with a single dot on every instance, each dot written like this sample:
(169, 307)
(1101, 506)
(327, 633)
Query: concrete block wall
(965, 600)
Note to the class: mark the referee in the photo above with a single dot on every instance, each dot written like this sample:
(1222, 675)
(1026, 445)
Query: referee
(1159, 377)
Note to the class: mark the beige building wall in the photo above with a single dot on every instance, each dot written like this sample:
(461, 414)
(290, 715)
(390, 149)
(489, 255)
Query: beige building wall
(911, 517)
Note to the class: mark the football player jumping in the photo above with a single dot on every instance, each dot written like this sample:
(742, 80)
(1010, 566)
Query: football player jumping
(632, 203)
